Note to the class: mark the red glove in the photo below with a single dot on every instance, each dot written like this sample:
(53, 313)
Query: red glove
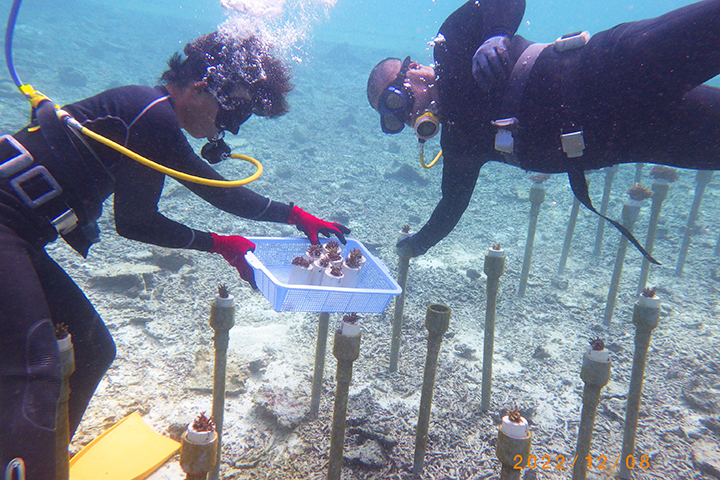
(311, 226)
(233, 249)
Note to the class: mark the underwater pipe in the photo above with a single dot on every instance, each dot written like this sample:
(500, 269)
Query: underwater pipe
(630, 213)
(513, 445)
(320, 349)
(403, 266)
(537, 197)
(660, 187)
(494, 268)
(346, 350)
(609, 175)
(222, 319)
(437, 320)
(595, 373)
(569, 234)
(701, 181)
(638, 172)
(62, 430)
(198, 448)
(646, 314)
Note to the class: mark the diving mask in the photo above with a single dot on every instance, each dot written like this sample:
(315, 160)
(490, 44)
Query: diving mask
(396, 102)
(230, 119)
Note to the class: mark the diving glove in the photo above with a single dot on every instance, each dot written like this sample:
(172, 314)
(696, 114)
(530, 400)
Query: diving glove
(311, 226)
(233, 249)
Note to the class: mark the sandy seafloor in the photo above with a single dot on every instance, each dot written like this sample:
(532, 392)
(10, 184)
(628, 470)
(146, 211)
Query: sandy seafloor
(329, 157)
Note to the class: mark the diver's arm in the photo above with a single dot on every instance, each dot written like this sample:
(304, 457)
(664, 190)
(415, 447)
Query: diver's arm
(477, 37)
(501, 17)
(459, 177)
(137, 192)
(477, 20)
(157, 135)
(239, 201)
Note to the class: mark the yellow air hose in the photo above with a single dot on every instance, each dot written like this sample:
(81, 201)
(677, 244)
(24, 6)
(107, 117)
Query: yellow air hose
(36, 97)
(422, 156)
(170, 171)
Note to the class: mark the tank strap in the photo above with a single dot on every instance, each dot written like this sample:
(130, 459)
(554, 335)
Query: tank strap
(80, 202)
(579, 186)
(508, 123)
(571, 134)
(518, 79)
(571, 129)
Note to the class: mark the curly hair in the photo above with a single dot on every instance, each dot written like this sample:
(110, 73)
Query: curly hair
(225, 62)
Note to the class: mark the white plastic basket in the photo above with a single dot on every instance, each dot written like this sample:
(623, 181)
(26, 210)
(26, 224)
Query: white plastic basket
(271, 263)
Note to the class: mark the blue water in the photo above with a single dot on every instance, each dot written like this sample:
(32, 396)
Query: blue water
(129, 41)
(112, 43)
(408, 25)
(329, 156)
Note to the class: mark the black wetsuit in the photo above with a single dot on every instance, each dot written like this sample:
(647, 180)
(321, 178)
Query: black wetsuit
(35, 292)
(637, 95)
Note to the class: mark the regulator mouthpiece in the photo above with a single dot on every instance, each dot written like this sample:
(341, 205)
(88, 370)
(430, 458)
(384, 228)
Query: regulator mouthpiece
(215, 151)
(427, 126)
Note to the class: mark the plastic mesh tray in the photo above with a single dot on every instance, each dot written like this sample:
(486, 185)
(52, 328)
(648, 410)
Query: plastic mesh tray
(271, 263)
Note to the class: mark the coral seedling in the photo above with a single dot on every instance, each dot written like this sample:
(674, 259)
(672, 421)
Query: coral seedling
(61, 331)
(597, 344)
(203, 424)
(354, 257)
(334, 255)
(661, 172)
(332, 246)
(639, 192)
(351, 318)
(315, 251)
(301, 262)
(539, 178)
(514, 415)
(352, 261)
(649, 292)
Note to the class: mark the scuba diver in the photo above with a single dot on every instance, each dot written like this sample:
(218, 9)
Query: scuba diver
(53, 182)
(632, 93)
